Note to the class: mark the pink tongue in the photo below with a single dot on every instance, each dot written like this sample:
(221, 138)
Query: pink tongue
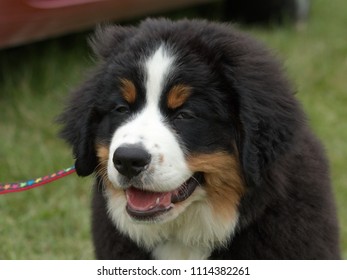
(144, 200)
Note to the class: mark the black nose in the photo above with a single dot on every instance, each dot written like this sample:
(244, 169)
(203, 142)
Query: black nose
(131, 160)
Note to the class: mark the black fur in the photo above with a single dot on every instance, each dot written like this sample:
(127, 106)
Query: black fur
(288, 210)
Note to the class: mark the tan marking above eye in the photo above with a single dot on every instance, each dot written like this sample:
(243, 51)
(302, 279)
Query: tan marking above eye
(128, 90)
(178, 95)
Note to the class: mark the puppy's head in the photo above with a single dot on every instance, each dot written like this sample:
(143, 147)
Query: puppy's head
(175, 115)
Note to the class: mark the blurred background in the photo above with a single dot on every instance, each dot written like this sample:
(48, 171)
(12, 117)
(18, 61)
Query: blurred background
(44, 54)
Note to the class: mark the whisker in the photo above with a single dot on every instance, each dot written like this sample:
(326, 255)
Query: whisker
(197, 181)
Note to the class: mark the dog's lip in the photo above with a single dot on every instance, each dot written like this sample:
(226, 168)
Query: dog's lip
(186, 189)
(146, 205)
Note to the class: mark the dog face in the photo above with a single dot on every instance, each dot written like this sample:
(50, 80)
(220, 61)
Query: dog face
(163, 120)
(178, 118)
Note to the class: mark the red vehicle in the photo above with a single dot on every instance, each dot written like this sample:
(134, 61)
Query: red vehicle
(23, 21)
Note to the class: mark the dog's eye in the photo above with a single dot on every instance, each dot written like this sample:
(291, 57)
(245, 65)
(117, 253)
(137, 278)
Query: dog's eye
(121, 109)
(184, 115)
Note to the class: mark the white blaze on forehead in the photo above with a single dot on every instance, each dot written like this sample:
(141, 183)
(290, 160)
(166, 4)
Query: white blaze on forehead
(167, 169)
(157, 69)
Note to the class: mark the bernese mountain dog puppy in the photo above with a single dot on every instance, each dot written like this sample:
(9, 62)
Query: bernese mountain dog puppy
(199, 149)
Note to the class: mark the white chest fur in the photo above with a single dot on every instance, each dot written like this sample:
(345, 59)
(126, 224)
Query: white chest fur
(192, 235)
(173, 250)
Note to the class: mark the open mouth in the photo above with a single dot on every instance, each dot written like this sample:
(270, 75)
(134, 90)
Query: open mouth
(146, 205)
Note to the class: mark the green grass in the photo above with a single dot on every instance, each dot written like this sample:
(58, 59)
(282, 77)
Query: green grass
(52, 222)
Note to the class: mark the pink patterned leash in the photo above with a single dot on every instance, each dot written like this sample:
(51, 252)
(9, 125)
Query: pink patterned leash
(26, 185)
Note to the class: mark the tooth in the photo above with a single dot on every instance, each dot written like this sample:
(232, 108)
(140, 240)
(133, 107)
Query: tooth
(157, 201)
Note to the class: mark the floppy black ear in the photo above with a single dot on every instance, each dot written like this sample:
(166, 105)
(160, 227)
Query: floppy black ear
(269, 126)
(79, 121)
(84, 150)
(269, 115)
